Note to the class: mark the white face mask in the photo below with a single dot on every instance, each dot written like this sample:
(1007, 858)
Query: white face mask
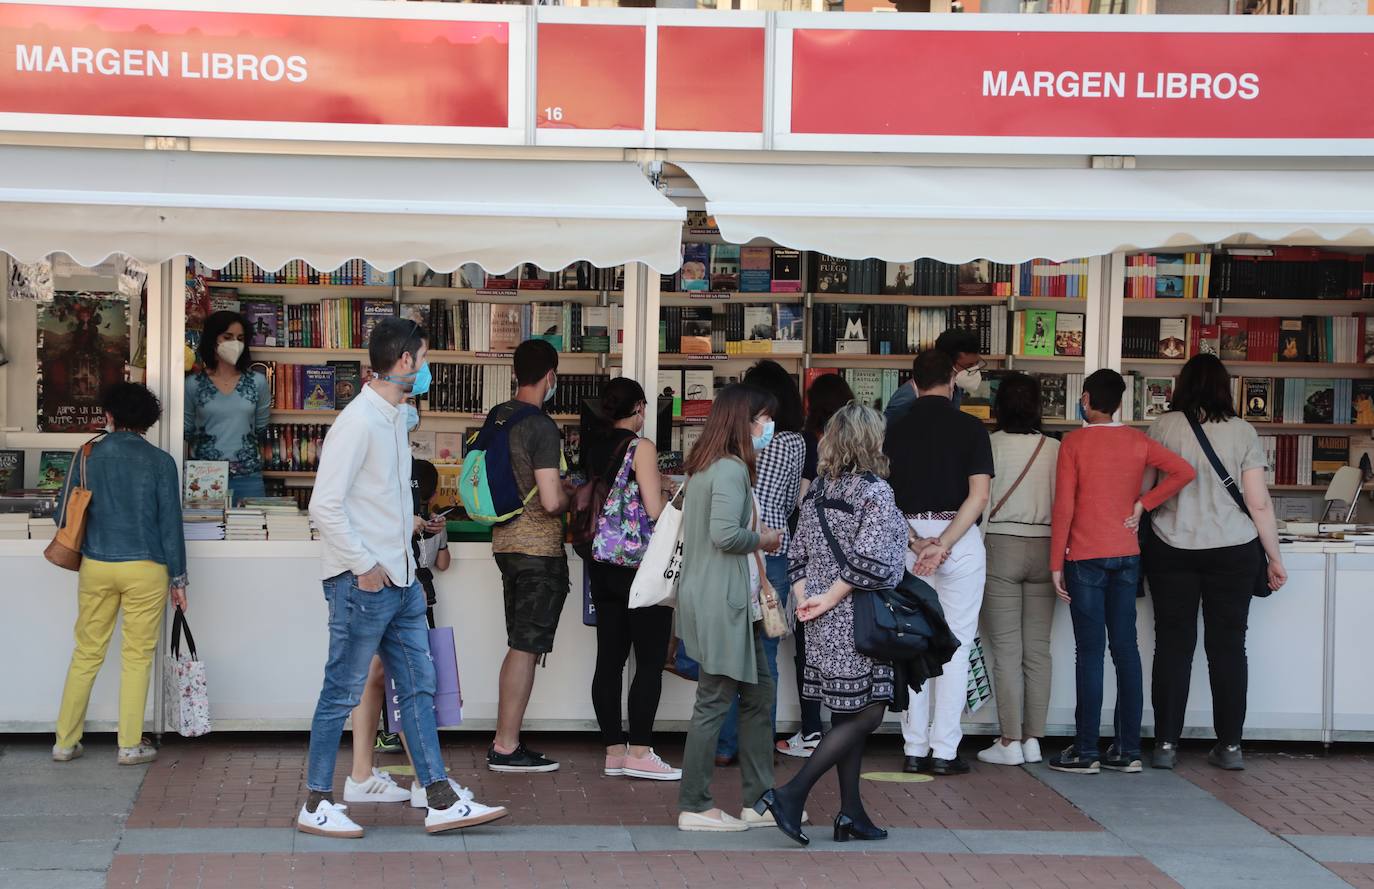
(229, 350)
(969, 380)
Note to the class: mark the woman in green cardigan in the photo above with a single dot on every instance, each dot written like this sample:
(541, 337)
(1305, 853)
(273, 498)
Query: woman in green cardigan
(718, 609)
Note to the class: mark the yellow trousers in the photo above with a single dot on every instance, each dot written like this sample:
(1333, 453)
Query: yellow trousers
(139, 589)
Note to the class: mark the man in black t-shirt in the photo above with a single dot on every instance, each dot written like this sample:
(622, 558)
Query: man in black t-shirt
(941, 475)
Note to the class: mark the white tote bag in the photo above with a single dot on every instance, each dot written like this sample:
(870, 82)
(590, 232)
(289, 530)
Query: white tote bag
(185, 694)
(655, 582)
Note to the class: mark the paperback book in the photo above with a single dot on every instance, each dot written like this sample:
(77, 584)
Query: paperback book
(319, 388)
(205, 481)
(725, 267)
(52, 469)
(11, 469)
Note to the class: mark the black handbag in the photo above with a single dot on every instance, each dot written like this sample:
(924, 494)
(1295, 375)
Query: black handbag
(891, 623)
(1261, 583)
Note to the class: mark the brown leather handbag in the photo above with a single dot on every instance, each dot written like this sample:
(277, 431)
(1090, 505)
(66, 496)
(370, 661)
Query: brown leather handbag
(64, 550)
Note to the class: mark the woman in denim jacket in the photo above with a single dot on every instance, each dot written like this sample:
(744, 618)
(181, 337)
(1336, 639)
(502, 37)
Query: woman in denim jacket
(133, 557)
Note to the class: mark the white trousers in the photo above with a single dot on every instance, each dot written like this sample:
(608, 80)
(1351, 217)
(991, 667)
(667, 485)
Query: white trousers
(931, 724)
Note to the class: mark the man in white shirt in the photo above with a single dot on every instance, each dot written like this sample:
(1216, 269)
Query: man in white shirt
(362, 507)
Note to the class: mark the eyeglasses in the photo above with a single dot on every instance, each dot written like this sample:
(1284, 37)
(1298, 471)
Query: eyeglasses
(979, 365)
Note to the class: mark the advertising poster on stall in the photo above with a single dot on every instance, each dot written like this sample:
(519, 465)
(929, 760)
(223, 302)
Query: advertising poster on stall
(83, 346)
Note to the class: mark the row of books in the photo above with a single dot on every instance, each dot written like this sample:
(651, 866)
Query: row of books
(764, 329)
(1044, 332)
(1341, 402)
(342, 323)
(581, 276)
(353, 273)
(848, 329)
(1168, 275)
(1293, 273)
(292, 447)
(313, 387)
(471, 326)
(1304, 459)
(1345, 339)
(478, 388)
(52, 469)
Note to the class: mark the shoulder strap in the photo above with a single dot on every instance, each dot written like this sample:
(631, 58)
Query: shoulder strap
(1014, 485)
(836, 550)
(617, 461)
(1223, 476)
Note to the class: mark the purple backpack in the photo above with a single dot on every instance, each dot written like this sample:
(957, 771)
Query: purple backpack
(623, 528)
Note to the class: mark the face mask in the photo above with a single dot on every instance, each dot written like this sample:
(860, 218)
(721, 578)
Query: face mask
(412, 417)
(969, 380)
(422, 381)
(761, 441)
(1082, 412)
(548, 396)
(229, 351)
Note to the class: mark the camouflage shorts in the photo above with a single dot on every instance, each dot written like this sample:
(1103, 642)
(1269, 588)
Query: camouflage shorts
(535, 588)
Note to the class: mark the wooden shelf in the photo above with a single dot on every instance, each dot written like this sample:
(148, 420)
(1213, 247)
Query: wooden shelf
(906, 299)
(294, 414)
(1076, 302)
(706, 297)
(303, 350)
(1300, 365)
(1049, 359)
(1298, 487)
(1249, 301)
(280, 473)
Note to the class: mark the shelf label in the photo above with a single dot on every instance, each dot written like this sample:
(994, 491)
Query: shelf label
(711, 356)
(710, 294)
(494, 354)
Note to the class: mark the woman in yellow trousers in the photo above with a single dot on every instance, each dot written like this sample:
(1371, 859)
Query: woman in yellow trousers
(133, 559)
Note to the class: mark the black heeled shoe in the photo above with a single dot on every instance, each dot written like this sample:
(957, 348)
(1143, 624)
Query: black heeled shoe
(847, 829)
(788, 822)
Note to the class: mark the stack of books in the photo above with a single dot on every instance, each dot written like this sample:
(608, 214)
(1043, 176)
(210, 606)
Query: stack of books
(245, 524)
(42, 529)
(203, 520)
(281, 526)
(14, 526)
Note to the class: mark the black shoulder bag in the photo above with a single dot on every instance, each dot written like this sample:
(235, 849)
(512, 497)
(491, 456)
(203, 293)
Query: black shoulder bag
(889, 624)
(1261, 584)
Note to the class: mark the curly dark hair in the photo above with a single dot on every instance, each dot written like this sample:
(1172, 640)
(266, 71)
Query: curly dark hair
(132, 406)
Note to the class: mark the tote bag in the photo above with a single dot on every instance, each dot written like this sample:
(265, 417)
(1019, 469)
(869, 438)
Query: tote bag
(185, 692)
(655, 582)
(448, 691)
(64, 550)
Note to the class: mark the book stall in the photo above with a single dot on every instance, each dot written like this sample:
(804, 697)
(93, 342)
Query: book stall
(856, 185)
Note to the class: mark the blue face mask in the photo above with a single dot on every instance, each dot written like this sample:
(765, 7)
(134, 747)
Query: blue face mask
(761, 441)
(1082, 412)
(412, 417)
(422, 381)
(548, 396)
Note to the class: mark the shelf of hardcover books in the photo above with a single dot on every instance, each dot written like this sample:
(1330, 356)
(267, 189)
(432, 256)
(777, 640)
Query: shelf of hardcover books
(1291, 325)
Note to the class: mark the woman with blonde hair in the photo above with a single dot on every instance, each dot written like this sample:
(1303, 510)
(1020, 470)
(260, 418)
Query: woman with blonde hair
(850, 536)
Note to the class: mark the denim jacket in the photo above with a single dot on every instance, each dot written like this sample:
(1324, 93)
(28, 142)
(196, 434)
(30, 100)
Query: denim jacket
(135, 509)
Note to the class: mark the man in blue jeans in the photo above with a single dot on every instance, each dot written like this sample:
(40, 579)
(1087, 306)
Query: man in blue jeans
(363, 509)
(1095, 563)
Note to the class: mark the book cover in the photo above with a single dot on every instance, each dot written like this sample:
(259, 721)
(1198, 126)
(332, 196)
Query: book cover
(696, 260)
(532, 277)
(261, 317)
(1318, 401)
(755, 269)
(867, 385)
(1039, 335)
(670, 386)
(205, 480)
(758, 329)
(423, 443)
(1362, 402)
(506, 281)
(1169, 275)
(1173, 338)
(789, 324)
(725, 267)
(448, 447)
(1291, 340)
(975, 278)
(698, 386)
(348, 381)
(1235, 339)
(1159, 391)
(786, 270)
(417, 312)
(11, 469)
(1068, 334)
(374, 310)
(1329, 453)
(696, 330)
(505, 327)
(596, 329)
(319, 388)
(1258, 395)
(831, 274)
(547, 324)
(1054, 396)
(52, 469)
(853, 333)
(1208, 340)
(899, 277)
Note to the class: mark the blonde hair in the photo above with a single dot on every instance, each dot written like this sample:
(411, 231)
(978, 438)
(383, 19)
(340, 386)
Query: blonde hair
(853, 442)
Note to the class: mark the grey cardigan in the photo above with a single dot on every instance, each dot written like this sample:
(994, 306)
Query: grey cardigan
(713, 591)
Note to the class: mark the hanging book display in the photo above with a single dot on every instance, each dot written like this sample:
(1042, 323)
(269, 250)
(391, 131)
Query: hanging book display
(83, 347)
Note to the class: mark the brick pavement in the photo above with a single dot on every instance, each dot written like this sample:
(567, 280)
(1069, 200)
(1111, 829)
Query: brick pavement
(1304, 793)
(532, 870)
(1360, 876)
(250, 782)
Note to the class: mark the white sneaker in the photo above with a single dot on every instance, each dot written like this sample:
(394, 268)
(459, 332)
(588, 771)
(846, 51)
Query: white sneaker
(137, 756)
(704, 822)
(462, 814)
(799, 745)
(328, 820)
(377, 789)
(420, 800)
(67, 754)
(1000, 754)
(1030, 748)
(753, 819)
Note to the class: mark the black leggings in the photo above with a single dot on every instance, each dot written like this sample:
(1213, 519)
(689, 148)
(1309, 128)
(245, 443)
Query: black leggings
(620, 628)
(842, 748)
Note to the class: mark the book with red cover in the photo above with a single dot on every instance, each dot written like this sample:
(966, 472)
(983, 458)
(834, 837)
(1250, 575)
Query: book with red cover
(1203, 339)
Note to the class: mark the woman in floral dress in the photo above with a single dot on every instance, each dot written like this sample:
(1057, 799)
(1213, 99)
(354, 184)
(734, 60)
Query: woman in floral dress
(865, 549)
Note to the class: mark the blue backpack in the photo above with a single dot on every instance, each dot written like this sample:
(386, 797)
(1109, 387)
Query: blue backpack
(487, 486)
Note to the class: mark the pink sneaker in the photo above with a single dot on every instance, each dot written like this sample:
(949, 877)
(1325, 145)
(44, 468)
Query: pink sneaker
(650, 767)
(615, 765)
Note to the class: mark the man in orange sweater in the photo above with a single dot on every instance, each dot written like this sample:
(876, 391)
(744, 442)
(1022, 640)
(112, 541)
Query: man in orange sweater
(1095, 563)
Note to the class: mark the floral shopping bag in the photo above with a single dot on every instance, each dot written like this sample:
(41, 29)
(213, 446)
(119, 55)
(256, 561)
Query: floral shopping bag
(185, 693)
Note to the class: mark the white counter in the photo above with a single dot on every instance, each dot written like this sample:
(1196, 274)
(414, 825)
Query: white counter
(259, 617)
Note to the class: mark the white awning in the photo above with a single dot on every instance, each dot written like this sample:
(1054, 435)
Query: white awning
(1011, 215)
(273, 208)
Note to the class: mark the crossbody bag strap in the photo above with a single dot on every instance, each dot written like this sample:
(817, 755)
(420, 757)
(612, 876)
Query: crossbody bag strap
(1014, 485)
(1223, 476)
(84, 452)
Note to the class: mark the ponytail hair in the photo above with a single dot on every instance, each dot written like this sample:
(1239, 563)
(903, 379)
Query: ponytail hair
(619, 399)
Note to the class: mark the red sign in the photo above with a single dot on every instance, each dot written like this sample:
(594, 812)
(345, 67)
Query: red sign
(710, 79)
(1086, 85)
(591, 77)
(148, 63)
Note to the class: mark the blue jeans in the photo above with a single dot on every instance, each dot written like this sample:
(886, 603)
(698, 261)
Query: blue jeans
(775, 567)
(241, 486)
(1102, 594)
(390, 623)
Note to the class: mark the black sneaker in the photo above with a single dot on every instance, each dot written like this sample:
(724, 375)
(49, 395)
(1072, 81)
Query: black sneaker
(946, 767)
(387, 742)
(1165, 756)
(1118, 763)
(1068, 760)
(522, 759)
(1228, 758)
(917, 765)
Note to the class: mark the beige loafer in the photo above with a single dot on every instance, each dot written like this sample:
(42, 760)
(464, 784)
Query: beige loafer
(714, 821)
